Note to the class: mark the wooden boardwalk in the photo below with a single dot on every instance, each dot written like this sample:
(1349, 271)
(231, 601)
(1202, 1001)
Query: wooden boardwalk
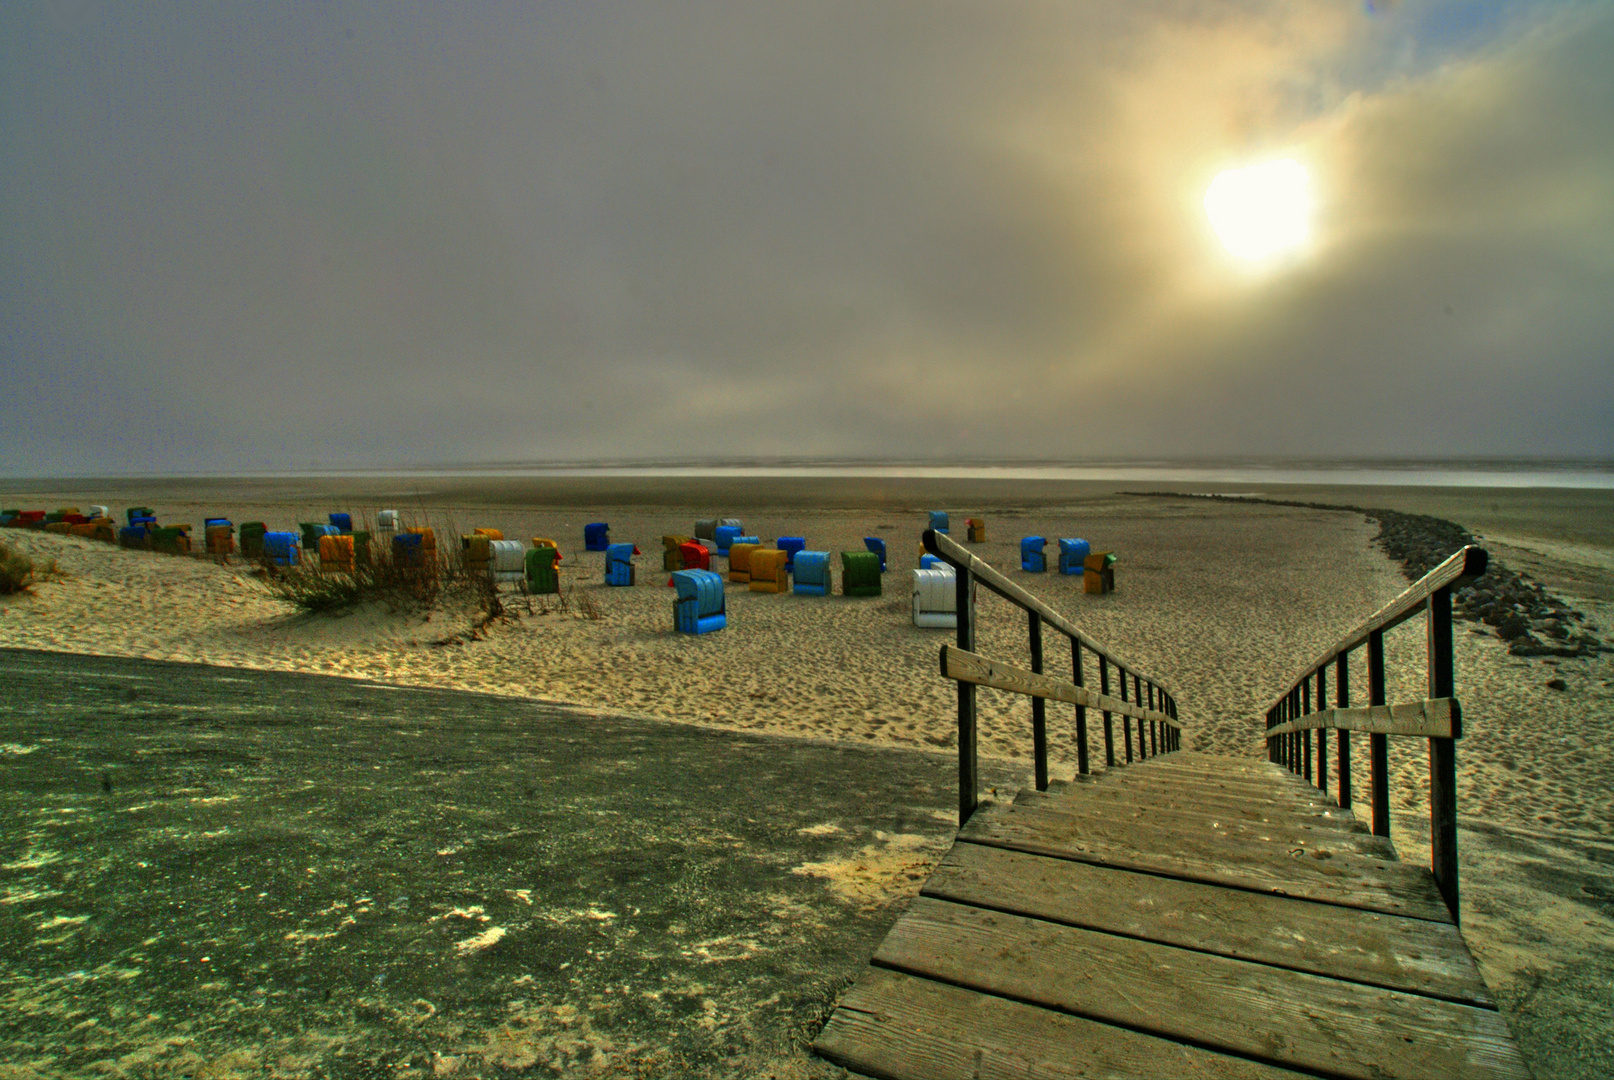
(1191, 916)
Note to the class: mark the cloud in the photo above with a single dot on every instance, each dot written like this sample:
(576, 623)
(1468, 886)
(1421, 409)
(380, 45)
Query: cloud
(375, 235)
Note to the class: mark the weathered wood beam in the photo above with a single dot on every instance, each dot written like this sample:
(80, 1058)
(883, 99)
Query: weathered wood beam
(1434, 718)
(964, 666)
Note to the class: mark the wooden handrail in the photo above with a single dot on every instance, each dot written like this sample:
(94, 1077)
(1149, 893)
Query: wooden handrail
(1302, 709)
(960, 665)
(947, 549)
(1432, 718)
(1465, 564)
(1151, 705)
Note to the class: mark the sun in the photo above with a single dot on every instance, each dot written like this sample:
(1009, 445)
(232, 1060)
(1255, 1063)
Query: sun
(1262, 210)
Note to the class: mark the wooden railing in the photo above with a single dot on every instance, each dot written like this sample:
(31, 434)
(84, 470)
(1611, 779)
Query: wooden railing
(1151, 705)
(1297, 712)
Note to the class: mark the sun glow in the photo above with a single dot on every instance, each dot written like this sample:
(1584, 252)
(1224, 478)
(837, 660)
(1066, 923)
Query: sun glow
(1261, 210)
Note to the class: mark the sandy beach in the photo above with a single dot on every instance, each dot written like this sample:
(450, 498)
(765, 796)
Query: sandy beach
(1220, 601)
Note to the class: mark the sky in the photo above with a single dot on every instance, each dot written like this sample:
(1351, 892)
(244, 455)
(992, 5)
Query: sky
(261, 237)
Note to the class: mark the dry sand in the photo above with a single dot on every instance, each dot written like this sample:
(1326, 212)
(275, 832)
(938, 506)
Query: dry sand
(1218, 601)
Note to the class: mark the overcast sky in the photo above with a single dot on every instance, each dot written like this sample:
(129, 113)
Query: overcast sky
(266, 236)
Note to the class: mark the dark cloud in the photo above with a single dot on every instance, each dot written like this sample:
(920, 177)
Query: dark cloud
(377, 234)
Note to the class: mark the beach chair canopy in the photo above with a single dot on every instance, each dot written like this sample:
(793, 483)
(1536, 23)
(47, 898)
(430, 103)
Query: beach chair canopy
(877, 547)
(343, 522)
(596, 536)
(704, 587)
(694, 556)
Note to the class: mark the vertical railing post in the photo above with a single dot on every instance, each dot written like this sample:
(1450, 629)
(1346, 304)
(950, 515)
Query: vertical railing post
(1137, 699)
(1305, 736)
(1378, 745)
(1126, 721)
(1442, 753)
(1342, 700)
(1081, 710)
(1039, 706)
(1109, 730)
(1154, 734)
(1272, 743)
(968, 775)
(1322, 733)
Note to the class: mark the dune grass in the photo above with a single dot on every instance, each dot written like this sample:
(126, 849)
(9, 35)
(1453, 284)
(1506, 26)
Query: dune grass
(16, 571)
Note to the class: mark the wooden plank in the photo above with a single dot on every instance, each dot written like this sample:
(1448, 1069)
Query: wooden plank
(948, 549)
(1464, 564)
(1296, 794)
(1130, 800)
(1285, 1018)
(1344, 879)
(964, 666)
(1411, 955)
(1438, 718)
(1277, 831)
(893, 1024)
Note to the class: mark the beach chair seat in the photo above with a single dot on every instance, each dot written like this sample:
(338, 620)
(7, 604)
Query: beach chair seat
(740, 561)
(507, 560)
(1032, 559)
(877, 546)
(1098, 573)
(976, 530)
(342, 522)
(938, 520)
(811, 574)
(596, 536)
(935, 599)
(336, 554)
(282, 548)
(860, 573)
(770, 570)
(619, 564)
(540, 565)
(700, 606)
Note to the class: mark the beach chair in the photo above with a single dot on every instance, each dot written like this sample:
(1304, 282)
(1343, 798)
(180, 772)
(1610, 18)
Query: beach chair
(507, 560)
(361, 548)
(133, 512)
(935, 599)
(251, 534)
(810, 569)
(790, 545)
(725, 536)
(133, 537)
(740, 561)
(409, 551)
(706, 529)
(343, 522)
(98, 512)
(491, 534)
(694, 556)
(976, 530)
(619, 564)
(671, 557)
(386, 521)
(282, 548)
(938, 520)
(1072, 555)
(877, 546)
(336, 554)
(542, 575)
(172, 540)
(475, 551)
(770, 570)
(700, 607)
(544, 541)
(860, 573)
(1098, 573)
(1032, 559)
(219, 536)
(596, 536)
(927, 561)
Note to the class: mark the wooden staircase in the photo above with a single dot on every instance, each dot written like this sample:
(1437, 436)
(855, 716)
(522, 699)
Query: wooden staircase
(1188, 916)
